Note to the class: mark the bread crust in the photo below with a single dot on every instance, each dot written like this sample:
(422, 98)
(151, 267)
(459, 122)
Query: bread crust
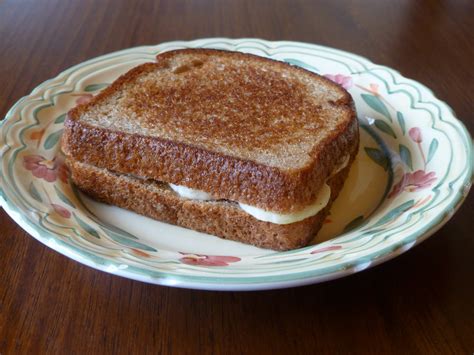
(221, 218)
(223, 176)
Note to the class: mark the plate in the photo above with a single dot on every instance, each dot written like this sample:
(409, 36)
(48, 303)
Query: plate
(413, 170)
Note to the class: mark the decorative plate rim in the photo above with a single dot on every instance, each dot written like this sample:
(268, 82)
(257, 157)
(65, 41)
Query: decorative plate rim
(341, 269)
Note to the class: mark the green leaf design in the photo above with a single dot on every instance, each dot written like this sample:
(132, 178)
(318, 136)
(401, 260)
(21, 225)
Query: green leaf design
(121, 232)
(52, 139)
(385, 127)
(396, 212)
(86, 227)
(63, 197)
(95, 87)
(433, 148)
(61, 118)
(376, 104)
(34, 192)
(129, 242)
(378, 157)
(301, 64)
(401, 121)
(405, 154)
(356, 222)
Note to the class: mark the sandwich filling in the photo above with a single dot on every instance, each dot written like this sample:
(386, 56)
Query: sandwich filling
(319, 203)
(262, 215)
(267, 216)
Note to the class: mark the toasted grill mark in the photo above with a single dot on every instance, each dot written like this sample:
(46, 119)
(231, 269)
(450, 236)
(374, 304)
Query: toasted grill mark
(181, 69)
(187, 67)
(197, 63)
(232, 106)
(340, 102)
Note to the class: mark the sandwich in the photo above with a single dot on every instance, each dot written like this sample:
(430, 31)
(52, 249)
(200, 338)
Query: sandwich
(230, 144)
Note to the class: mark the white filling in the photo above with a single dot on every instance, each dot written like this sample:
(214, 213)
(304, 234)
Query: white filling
(267, 216)
(192, 194)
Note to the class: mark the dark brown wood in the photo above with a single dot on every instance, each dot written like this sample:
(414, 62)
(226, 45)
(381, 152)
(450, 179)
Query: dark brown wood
(421, 302)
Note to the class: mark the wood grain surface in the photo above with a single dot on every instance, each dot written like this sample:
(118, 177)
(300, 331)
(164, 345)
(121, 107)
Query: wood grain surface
(420, 302)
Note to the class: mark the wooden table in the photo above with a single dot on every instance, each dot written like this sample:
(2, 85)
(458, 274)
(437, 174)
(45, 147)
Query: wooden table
(421, 302)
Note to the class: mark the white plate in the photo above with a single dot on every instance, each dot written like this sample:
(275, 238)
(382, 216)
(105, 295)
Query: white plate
(413, 170)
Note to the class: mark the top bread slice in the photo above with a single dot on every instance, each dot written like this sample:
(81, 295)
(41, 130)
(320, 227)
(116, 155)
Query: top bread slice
(238, 126)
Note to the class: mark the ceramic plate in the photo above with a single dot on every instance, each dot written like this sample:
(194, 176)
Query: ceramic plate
(413, 170)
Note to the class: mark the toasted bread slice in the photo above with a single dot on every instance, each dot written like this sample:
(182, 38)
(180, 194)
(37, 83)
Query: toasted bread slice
(221, 218)
(238, 126)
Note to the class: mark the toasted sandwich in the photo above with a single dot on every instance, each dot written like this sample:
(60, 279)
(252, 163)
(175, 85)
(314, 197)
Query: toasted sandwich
(231, 144)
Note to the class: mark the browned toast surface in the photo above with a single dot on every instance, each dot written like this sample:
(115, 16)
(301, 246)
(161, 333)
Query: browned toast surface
(221, 218)
(238, 126)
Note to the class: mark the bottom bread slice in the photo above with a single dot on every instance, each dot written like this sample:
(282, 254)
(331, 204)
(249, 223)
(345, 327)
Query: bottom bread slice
(222, 218)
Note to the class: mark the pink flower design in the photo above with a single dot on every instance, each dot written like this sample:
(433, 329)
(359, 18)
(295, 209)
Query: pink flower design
(415, 134)
(46, 169)
(343, 80)
(413, 182)
(329, 248)
(140, 253)
(208, 260)
(61, 210)
(374, 88)
(84, 99)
